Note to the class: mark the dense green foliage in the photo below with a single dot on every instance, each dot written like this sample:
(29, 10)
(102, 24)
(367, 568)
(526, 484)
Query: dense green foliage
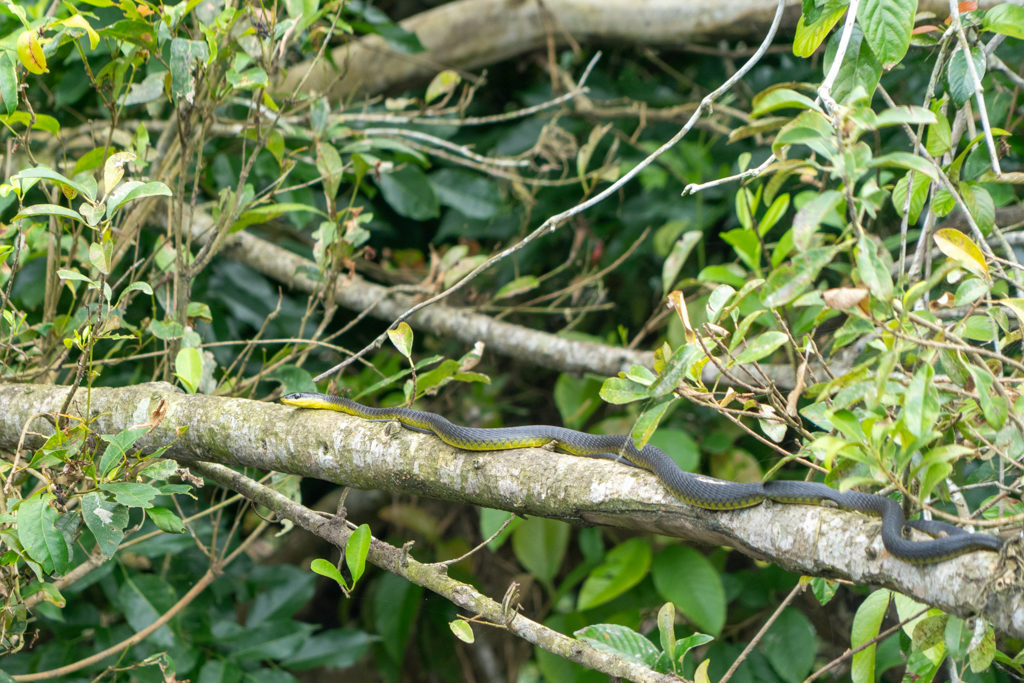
(140, 138)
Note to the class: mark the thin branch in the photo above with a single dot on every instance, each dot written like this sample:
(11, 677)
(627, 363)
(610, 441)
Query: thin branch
(399, 562)
(555, 222)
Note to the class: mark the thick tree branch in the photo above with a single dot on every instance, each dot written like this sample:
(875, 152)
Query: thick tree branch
(468, 34)
(806, 539)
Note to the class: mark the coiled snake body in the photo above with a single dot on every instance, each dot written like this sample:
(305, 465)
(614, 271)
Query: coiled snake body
(696, 489)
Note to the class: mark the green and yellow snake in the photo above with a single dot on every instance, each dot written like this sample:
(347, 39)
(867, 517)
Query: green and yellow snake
(696, 489)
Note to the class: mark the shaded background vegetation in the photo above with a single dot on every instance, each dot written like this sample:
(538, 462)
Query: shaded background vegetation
(358, 190)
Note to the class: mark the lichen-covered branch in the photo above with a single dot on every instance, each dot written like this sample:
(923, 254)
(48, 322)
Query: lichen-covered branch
(810, 540)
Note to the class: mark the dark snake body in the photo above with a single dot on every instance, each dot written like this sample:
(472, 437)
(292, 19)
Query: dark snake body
(696, 489)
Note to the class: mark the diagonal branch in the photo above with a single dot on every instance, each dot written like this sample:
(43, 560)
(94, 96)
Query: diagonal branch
(397, 561)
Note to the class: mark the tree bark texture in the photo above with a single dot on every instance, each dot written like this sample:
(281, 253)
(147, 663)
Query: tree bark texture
(468, 34)
(811, 540)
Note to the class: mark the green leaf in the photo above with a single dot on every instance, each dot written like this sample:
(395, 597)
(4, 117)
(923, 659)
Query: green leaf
(847, 424)
(100, 255)
(887, 25)
(727, 273)
(786, 283)
(48, 210)
(686, 361)
(131, 190)
(106, 520)
(621, 641)
(993, 406)
(188, 366)
(810, 36)
(246, 79)
(790, 645)
(810, 215)
(491, 520)
(184, 56)
(677, 257)
(166, 329)
(75, 276)
(763, 345)
(409, 192)
(165, 520)
(36, 523)
(468, 193)
(462, 630)
(540, 544)
(919, 184)
(649, 419)
(979, 204)
(689, 642)
(922, 403)
(873, 270)
(327, 569)
(866, 624)
(860, 69)
(618, 390)
(910, 114)
(958, 76)
(746, 245)
(809, 128)
(773, 214)
(401, 337)
(824, 589)
(331, 167)
(1004, 18)
(667, 629)
(117, 449)
(131, 494)
(939, 138)
(8, 84)
(356, 549)
(781, 98)
(520, 285)
(283, 590)
(701, 597)
(577, 398)
(980, 657)
(268, 212)
(395, 605)
(339, 648)
(905, 160)
(149, 89)
(624, 566)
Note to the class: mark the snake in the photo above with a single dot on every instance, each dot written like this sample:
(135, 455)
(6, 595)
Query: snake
(695, 489)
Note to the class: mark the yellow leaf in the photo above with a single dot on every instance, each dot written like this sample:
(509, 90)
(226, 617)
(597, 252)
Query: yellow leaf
(1015, 305)
(961, 249)
(30, 52)
(442, 84)
(677, 301)
(113, 169)
(701, 674)
(78, 21)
